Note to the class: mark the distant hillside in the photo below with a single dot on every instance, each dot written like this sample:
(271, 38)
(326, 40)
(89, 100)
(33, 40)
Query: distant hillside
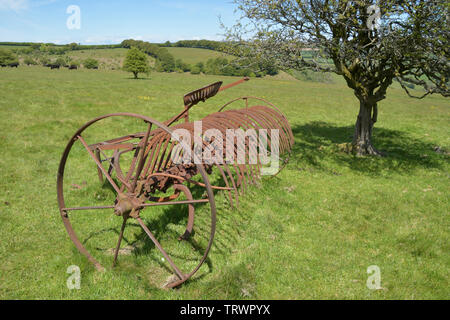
(195, 55)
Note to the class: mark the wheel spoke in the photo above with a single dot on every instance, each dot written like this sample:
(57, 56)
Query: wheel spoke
(99, 164)
(87, 208)
(122, 229)
(158, 245)
(169, 203)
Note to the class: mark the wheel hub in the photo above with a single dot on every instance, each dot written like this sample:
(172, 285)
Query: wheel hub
(124, 205)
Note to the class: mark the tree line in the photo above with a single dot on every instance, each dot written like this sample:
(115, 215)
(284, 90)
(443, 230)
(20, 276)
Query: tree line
(39, 53)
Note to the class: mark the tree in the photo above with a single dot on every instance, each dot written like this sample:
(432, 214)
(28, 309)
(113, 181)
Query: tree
(182, 66)
(136, 62)
(60, 62)
(196, 70)
(370, 44)
(29, 61)
(90, 63)
(73, 46)
(7, 57)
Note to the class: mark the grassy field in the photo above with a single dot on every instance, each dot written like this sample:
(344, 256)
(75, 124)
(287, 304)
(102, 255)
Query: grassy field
(108, 58)
(309, 233)
(194, 55)
(112, 59)
(10, 47)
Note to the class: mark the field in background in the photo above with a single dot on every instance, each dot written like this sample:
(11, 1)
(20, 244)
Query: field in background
(309, 233)
(108, 58)
(10, 47)
(194, 55)
(112, 59)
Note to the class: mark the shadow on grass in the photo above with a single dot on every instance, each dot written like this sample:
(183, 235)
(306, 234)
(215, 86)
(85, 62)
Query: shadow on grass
(133, 78)
(161, 225)
(317, 145)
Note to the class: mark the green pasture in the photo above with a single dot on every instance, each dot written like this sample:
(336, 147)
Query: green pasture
(194, 55)
(309, 233)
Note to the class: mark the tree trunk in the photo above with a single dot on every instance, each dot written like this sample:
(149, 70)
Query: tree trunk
(135, 75)
(362, 138)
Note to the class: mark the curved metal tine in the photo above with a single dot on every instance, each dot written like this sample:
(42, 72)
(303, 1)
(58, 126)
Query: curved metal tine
(151, 153)
(166, 162)
(275, 124)
(236, 192)
(243, 168)
(160, 248)
(105, 173)
(161, 158)
(142, 157)
(156, 155)
(226, 183)
(131, 170)
(114, 167)
(122, 229)
(241, 177)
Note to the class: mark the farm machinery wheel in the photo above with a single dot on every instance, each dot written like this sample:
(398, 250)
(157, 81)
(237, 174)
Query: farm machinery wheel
(126, 197)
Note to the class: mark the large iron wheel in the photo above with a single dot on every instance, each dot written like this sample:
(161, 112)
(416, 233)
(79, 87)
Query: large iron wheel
(123, 185)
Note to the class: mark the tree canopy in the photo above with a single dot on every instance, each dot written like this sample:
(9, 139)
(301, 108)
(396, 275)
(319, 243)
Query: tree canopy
(7, 57)
(369, 43)
(136, 62)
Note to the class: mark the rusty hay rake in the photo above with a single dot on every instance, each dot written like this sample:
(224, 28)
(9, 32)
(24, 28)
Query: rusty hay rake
(143, 173)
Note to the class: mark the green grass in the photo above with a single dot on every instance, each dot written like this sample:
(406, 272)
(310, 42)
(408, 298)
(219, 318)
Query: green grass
(194, 55)
(108, 58)
(115, 57)
(10, 47)
(311, 232)
(96, 53)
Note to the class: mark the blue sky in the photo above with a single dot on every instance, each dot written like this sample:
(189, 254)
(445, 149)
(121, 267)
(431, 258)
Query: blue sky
(104, 22)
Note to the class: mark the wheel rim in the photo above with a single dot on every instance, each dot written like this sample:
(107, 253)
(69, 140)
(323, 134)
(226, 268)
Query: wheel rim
(64, 211)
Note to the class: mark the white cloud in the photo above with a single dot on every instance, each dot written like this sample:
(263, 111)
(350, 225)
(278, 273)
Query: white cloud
(19, 5)
(15, 5)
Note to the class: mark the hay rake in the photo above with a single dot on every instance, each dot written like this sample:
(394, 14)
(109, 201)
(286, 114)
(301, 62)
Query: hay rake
(154, 177)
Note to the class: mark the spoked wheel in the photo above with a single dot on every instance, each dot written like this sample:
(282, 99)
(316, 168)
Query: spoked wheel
(82, 198)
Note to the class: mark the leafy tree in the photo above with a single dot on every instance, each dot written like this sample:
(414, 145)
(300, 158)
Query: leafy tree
(205, 44)
(44, 60)
(196, 70)
(90, 63)
(73, 46)
(7, 57)
(29, 61)
(35, 46)
(60, 62)
(136, 62)
(182, 66)
(166, 61)
(27, 50)
(370, 44)
(44, 48)
(201, 66)
(73, 64)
